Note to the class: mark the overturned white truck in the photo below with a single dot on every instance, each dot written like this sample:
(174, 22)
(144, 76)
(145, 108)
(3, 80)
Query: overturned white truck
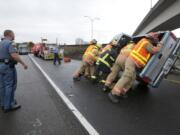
(161, 63)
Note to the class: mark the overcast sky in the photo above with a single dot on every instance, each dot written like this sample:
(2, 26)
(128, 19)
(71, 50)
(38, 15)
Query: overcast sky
(64, 19)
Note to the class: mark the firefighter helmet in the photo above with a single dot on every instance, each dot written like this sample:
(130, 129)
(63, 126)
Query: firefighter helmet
(93, 41)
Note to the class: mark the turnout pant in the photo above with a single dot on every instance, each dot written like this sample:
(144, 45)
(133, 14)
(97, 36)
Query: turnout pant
(127, 79)
(86, 69)
(118, 66)
(101, 72)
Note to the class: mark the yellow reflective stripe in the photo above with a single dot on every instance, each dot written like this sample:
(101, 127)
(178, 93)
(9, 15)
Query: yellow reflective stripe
(103, 61)
(140, 56)
(105, 56)
(112, 58)
(93, 77)
(149, 55)
(141, 42)
(102, 81)
(142, 62)
(97, 62)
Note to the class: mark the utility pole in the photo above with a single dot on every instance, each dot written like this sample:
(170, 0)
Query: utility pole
(92, 19)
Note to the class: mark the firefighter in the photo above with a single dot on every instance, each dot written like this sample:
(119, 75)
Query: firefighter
(108, 46)
(88, 61)
(119, 65)
(105, 61)
(137, 59)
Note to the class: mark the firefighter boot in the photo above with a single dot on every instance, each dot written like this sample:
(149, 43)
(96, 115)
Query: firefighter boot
(105, 88)
(94, 79)
(113, 98)
(76, 78)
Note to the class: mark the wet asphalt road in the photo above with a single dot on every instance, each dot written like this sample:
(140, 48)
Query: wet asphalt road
(42, 112)
(144, 112)
(147, 111)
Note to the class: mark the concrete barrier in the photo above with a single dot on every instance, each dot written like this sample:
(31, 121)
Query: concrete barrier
(74, 51)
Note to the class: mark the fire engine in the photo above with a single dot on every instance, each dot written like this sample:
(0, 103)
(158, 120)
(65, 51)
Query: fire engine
(45, 51)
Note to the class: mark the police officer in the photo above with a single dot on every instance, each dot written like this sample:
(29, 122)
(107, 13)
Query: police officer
(8, 76)
(56, 56)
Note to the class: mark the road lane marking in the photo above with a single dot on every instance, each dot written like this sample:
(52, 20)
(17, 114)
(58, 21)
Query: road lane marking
(173, 81)
(89, 128)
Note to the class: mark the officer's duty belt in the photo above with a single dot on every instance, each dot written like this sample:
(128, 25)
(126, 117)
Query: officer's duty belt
(4, 60)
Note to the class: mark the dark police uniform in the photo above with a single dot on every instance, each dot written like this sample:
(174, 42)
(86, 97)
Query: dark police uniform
(8, 74)
(56, 56)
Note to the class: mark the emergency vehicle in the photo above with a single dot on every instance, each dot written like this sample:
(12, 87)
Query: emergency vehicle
(45, 51)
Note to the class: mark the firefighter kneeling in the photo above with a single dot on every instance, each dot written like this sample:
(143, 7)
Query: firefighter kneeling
(87, 67)
(137, 59)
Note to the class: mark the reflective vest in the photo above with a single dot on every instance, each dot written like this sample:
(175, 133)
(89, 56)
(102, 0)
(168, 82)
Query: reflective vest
(127, 49)
(139, 53)
(89, 49)
(89, 55)
(108, 57)
(105, 61)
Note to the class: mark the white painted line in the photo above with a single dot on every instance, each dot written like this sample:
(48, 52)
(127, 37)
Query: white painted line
(90, 129)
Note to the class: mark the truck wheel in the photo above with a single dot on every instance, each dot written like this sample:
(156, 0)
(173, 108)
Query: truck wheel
(143, 84)
(141, 87)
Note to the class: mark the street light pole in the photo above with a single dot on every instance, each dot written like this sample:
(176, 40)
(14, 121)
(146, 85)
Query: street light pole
(92, 19)
(151, 4)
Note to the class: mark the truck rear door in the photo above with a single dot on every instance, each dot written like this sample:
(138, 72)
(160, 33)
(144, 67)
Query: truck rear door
(161, 63)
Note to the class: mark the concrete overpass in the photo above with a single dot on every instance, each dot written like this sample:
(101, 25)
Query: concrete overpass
(165, 15)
